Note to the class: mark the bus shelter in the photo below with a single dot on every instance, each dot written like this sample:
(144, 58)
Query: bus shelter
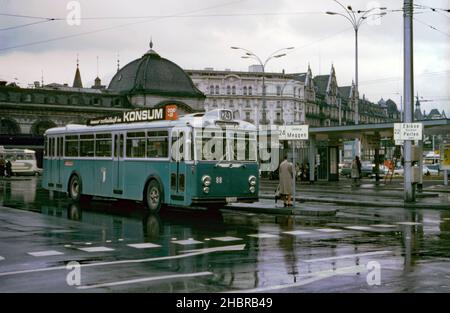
(326, 145)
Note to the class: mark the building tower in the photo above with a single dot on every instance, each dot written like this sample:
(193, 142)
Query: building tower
(77, 80)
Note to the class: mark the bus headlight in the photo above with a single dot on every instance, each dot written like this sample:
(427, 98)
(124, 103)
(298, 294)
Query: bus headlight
(252, 180)
(205, 189)
(206, 180)
(252, 189)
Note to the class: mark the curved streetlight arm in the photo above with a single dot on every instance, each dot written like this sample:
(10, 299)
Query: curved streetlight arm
(352, 17)
(364, 17)
(354, 23)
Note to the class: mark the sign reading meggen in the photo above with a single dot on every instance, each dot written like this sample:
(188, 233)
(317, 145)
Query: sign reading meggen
(135, 116)
(293, 132)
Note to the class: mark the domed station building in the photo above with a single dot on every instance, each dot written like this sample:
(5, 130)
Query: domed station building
(153, 81)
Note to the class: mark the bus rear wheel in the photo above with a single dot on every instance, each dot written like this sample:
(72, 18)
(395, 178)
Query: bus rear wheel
(153, 196)
(75, 188)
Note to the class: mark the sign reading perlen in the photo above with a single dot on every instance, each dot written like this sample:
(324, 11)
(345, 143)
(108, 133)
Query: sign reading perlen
(408, 131)
(293, 132)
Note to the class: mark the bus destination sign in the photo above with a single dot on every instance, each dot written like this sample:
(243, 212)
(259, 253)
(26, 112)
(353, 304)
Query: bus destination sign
(135, 116)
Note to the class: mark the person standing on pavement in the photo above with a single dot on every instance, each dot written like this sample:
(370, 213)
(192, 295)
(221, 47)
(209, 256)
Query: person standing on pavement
(2, 166)
(286, 173)
(8, 167)
(356, 170)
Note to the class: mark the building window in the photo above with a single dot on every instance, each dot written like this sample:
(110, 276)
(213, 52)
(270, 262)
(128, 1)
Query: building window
(250, 90)
(217, 89)
(228, 90)
(245, 90)
(233, 90)
(211, 90)
(278, 90)
(247, 116)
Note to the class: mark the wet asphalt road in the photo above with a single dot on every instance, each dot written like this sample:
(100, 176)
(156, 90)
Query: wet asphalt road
(122, 248)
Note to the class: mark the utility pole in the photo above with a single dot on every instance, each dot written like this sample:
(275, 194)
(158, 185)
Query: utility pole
(408, 90)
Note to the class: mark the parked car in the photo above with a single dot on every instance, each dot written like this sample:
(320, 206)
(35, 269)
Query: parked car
(367, 169)
(398, 171)
(430, 171)
(346, 170)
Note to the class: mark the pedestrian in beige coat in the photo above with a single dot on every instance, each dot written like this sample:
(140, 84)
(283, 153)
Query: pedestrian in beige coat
(286, 173)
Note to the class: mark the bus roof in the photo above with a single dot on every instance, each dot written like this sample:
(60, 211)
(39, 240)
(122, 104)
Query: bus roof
(196, 120)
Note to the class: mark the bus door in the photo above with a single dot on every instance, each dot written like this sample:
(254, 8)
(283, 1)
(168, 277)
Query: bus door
(59, 141)
(180, 154)
(117, 170)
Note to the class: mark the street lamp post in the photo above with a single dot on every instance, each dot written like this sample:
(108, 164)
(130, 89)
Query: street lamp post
(356, 21)
(250, 55)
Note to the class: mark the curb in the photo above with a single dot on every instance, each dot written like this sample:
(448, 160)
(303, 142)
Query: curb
(373, 204)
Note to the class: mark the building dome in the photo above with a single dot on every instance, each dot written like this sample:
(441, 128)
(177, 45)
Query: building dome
(154, 75)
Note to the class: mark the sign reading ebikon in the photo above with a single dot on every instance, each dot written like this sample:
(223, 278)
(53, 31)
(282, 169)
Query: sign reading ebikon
(135, 116)
(408, 131)
(293, 132)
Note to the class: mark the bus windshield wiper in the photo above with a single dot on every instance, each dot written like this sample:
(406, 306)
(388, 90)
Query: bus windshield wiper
(223, 158)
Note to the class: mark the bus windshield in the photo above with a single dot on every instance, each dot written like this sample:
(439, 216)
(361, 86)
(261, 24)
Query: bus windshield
(217, 144)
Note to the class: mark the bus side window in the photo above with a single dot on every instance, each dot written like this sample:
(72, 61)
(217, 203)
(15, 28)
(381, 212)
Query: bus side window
(103, 145)
(157, 144)
(72, 145)
(121, 146)
(50, 154)
(87, 145)
(60, 146)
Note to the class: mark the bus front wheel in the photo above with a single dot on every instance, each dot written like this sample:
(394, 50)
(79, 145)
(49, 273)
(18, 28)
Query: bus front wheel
(153, 196)
(75, 188)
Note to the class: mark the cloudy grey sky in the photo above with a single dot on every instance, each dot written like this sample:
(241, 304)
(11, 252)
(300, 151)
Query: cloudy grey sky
(198, 33)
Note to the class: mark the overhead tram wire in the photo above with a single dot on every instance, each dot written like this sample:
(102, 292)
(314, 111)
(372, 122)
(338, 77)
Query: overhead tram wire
(25, 25)
(109, 28)
(432, 27)
(171, 15)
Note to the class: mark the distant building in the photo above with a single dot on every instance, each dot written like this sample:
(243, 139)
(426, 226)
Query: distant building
(297, 98)
(420, 115)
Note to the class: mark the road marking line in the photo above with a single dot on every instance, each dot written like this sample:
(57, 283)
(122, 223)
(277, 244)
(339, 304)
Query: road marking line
(214, 249)
(226, 238)
(328, 230)
(359, 228)
(263, 236)
(67, 246)
(143, 245)
(347, 256)
(189, 241)
(145, 279)
(129, 261)
(108, 241)
(88, 243)
(1, 258)
(409, 223)
(296, 232)
(45, 253)
(96, 249)
(318, 276)
(383, 225)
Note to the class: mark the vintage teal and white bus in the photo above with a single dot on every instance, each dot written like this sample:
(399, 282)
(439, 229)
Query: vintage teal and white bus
(197, 160)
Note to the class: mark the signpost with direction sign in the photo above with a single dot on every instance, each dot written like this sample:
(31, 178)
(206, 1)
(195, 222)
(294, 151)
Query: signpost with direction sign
(294, 133)
(445, 160)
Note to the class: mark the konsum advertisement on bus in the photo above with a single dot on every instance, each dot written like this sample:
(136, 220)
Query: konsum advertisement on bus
(168, 112)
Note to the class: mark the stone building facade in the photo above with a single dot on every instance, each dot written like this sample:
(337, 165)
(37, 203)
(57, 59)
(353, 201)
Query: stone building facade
(297, 98)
